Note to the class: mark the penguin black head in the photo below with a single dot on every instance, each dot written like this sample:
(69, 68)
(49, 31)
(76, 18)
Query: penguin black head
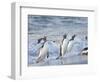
(73, 37)
(64, 36)
(44, 38)
(39, 40)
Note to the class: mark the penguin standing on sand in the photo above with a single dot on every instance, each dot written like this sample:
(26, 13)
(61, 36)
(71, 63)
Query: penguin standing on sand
(70, 43)
(63, 46)
(66, 45)
(43, 51)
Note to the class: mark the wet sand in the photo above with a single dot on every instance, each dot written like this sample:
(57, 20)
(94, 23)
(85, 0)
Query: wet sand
(72, 60)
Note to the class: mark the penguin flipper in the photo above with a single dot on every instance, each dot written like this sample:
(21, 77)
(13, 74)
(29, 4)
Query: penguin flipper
(60, 50)
(47, 54)
(60, 54)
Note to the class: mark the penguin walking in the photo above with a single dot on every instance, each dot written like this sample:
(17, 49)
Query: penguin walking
(43, 52)
(39, 45)
(63, 46)
(66, 45)
(70, 43)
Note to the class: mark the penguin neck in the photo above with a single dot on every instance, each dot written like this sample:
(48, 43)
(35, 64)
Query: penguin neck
(63, 39)
(43, 44)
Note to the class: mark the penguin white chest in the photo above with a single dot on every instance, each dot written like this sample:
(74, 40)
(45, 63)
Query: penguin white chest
(43, 51)
(64, 46)
(42, 54)
(70, 45)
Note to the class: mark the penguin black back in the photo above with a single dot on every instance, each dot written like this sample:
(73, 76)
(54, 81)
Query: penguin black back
(84, 51)
(85, 48)
(60, 50)
(86, 37)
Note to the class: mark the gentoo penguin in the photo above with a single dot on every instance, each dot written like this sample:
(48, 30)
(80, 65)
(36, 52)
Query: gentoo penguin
(66, 45)
(43, 51)
(63, 46)
(40, 42)
(70, 43)
(84, 51)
